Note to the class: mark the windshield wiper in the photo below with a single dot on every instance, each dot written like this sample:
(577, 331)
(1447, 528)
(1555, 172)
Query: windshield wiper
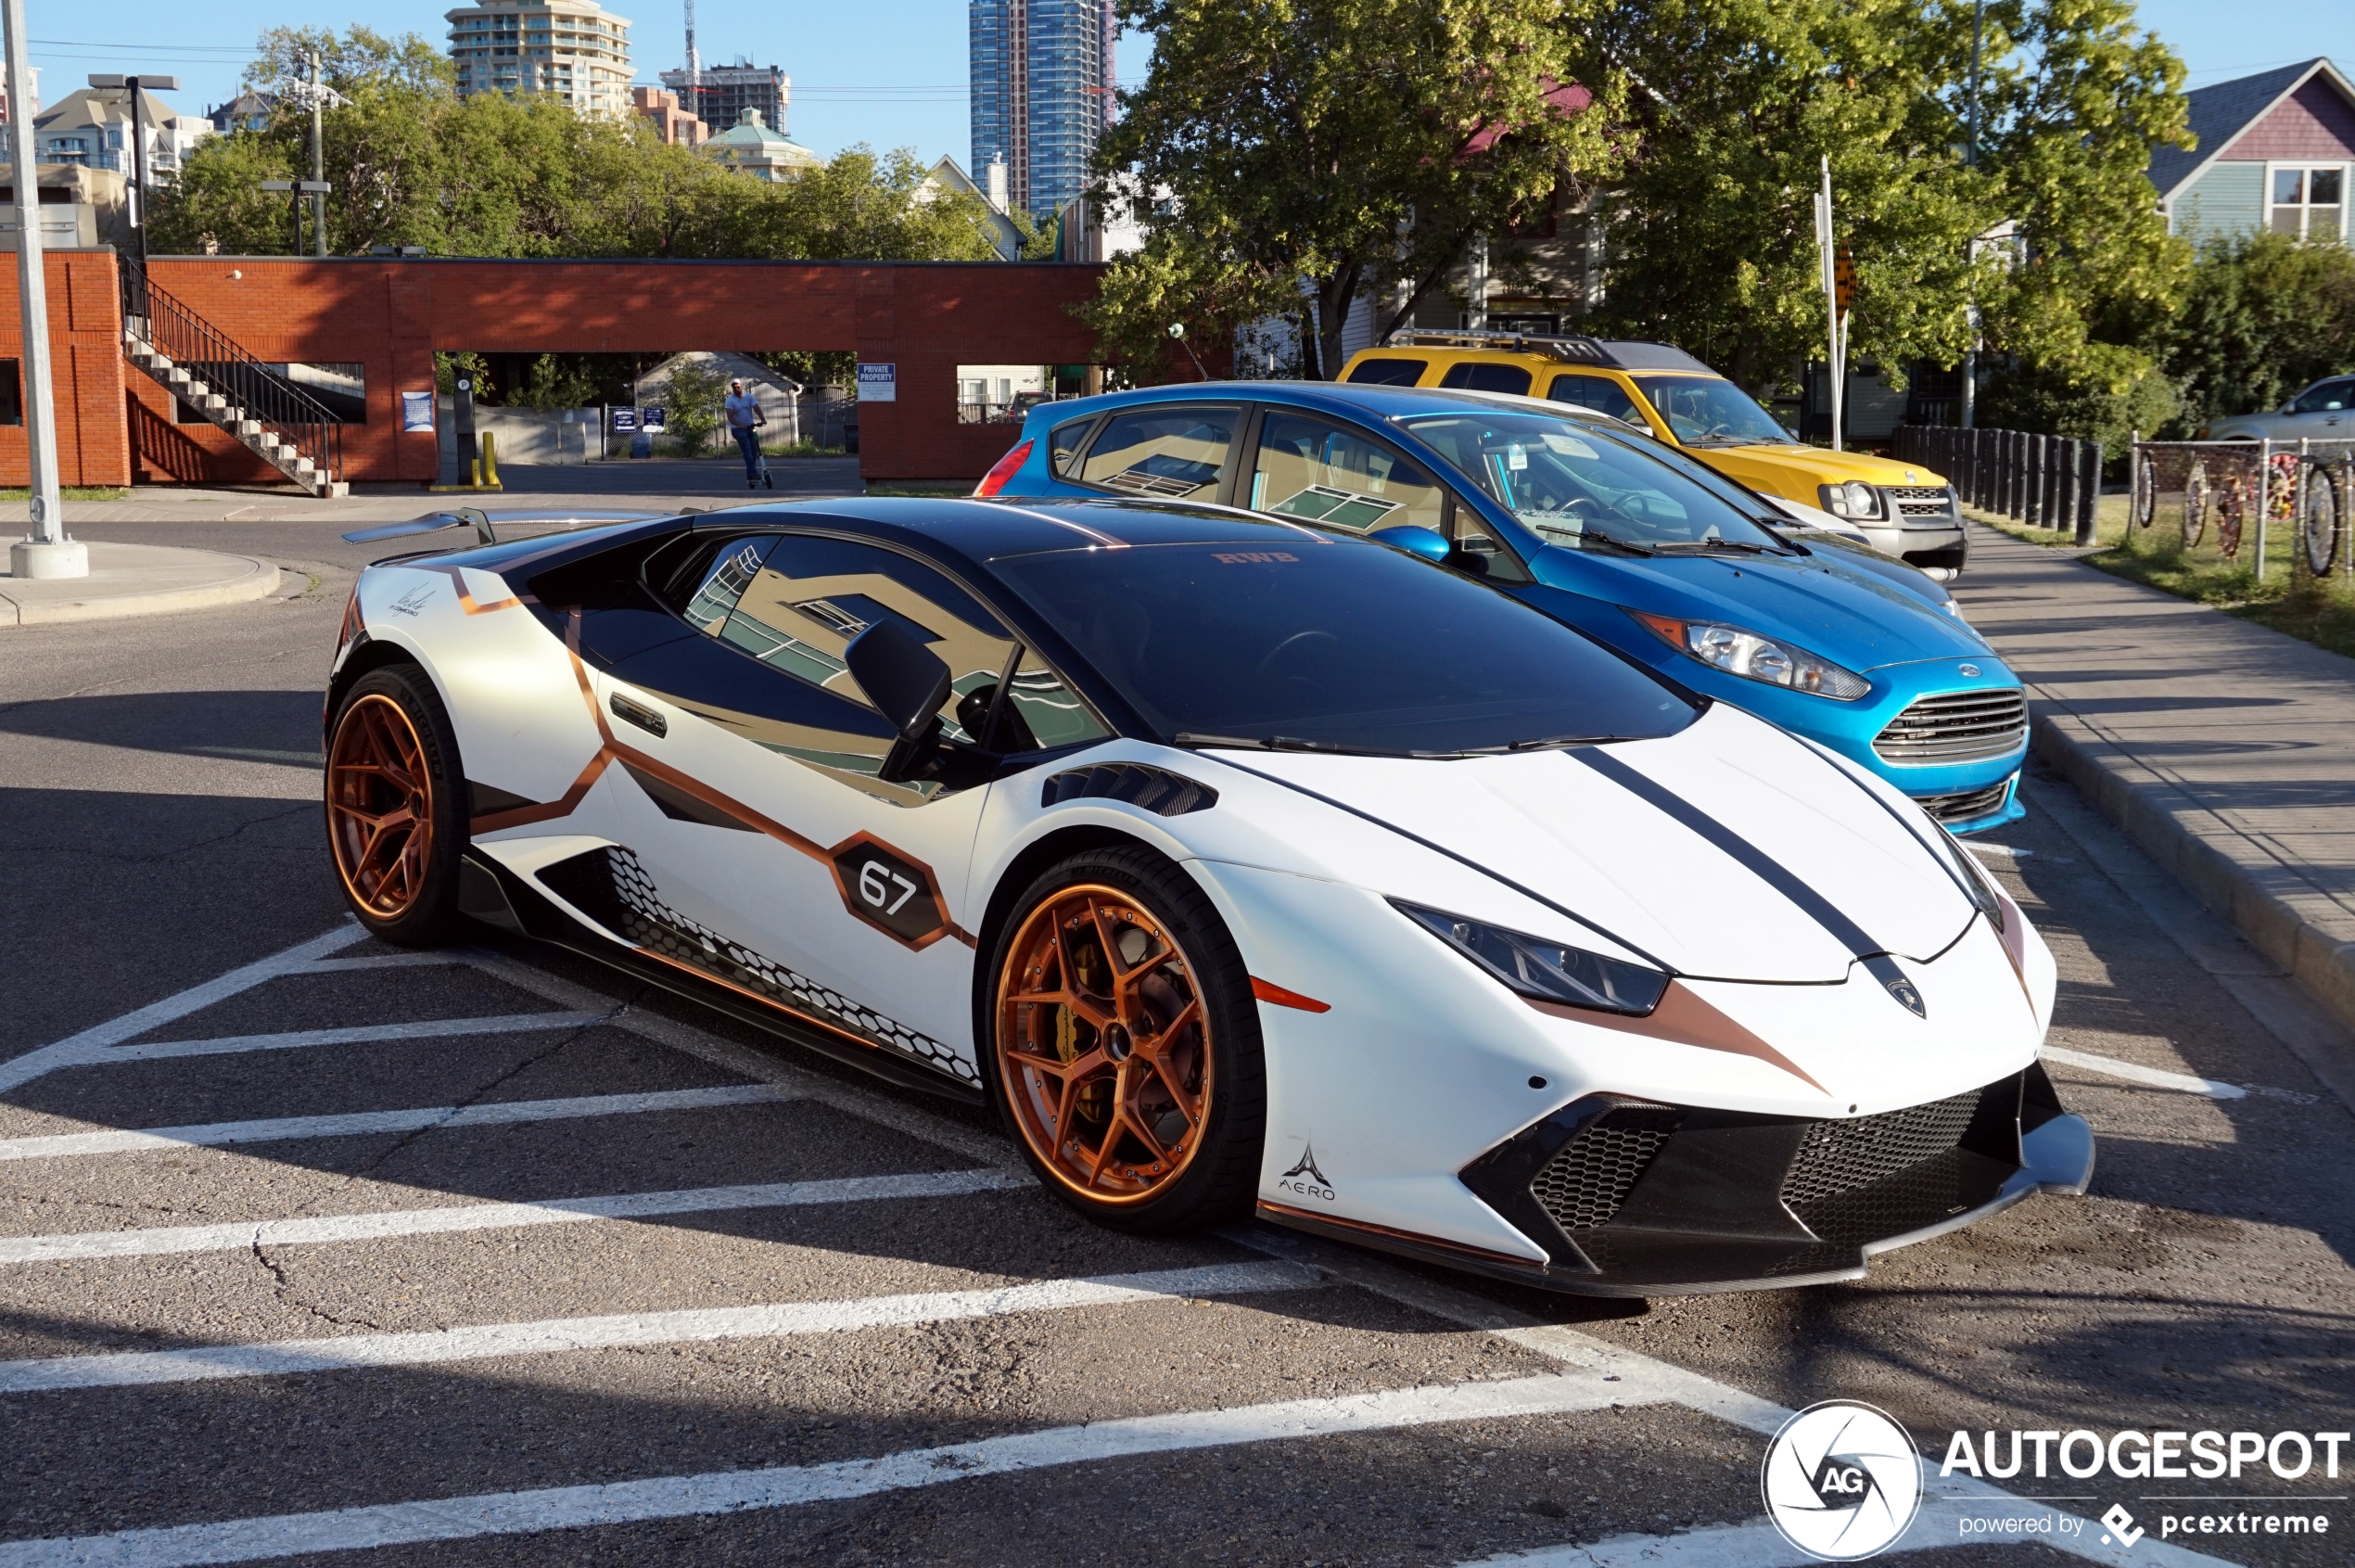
(1282, 743)
(1568, 740)
(1244, 743)
(1711, 546)
(1600, 537)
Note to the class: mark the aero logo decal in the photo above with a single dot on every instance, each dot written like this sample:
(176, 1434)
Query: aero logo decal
(1304, 1178)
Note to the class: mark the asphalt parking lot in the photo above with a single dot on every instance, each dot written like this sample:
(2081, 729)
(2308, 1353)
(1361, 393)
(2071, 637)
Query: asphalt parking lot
(308, 1247)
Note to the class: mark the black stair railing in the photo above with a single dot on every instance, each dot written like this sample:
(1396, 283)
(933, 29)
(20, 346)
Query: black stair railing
(195, 345)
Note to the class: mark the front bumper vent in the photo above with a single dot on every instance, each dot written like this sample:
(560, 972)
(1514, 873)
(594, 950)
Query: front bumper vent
(1956, 727)
(1582, 1186)
(1967, 807)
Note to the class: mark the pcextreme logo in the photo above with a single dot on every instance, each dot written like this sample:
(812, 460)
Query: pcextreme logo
(1841, 1481)
(1304, 1178)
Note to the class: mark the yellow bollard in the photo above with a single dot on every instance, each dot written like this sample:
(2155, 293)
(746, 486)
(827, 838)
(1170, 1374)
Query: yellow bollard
(489, 479)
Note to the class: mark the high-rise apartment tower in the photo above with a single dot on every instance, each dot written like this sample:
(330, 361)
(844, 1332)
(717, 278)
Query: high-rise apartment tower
(573, 49)
(1042, 93)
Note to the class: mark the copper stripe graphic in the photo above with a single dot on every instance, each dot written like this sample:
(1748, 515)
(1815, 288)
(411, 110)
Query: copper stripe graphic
(612, 750)
(1683, 1017)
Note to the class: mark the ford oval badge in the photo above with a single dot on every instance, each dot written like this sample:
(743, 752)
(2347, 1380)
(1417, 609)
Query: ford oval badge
(1970, 670)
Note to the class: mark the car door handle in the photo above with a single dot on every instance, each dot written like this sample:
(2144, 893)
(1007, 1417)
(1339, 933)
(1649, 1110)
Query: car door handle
(638, 713)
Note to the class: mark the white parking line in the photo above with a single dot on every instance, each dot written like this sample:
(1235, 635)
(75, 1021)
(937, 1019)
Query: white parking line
(240, 1234)
(213, 1135)
(437, 958)
(2110, 1066)
(98, 1037)
(732, 1491)
(357, 1352)
(365, 1034)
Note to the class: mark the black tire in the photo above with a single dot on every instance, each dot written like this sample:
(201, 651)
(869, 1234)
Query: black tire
(1220, 1179)
(402, 892)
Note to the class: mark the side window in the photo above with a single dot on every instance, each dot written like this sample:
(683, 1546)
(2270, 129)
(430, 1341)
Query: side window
(2328, 396)
(1337, 478)
(707, 586)
(1041, 712)
(1388, 373)
(1064, 444)
(1482, 375)
(1602, 395)
(1174, 452)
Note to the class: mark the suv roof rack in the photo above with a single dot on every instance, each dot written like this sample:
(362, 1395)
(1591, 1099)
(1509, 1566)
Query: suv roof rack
(1579, 350)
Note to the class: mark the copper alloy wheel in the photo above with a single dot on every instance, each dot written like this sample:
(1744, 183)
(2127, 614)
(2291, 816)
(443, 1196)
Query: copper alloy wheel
(381, 806)
(1103, 1047)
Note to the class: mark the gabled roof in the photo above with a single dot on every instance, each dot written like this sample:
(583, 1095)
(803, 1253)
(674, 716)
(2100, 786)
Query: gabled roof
(2219, 114)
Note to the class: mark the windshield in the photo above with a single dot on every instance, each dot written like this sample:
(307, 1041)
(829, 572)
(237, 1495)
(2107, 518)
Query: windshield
(1709, 411)
(1584, 489)
(1335, 644)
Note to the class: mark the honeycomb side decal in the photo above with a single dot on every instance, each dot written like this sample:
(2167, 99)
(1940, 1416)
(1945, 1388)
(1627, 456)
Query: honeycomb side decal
(613, 887)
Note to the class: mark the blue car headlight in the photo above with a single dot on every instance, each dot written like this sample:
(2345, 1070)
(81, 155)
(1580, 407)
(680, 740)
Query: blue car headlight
(1738, 651)
(1542, 969)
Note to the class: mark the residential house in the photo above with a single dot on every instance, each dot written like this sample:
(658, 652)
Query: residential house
(2276, 151)
(248, 110)
(90, 127)
(949, 175)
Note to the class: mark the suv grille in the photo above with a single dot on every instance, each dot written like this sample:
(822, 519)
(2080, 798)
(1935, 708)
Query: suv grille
(1956, 727)
(1968, 805)
(1921, 501)
(1584, 1183)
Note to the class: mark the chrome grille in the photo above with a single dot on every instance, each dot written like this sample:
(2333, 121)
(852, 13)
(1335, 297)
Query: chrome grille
(1968, 806)
(1956, 727)
(1921, 501)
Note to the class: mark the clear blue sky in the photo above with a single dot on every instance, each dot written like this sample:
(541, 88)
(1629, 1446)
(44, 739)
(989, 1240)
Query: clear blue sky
(892, 73)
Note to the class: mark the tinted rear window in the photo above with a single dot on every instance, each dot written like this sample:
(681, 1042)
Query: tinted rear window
(1389, 373)
(1475, 376)
(1339, 643)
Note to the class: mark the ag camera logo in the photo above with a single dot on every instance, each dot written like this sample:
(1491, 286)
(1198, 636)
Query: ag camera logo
(1841, 1481)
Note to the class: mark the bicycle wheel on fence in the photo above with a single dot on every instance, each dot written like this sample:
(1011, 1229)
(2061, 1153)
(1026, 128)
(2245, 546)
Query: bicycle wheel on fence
(2145, 498)
(2318, 529)
(2230, 508)
(2195, 504)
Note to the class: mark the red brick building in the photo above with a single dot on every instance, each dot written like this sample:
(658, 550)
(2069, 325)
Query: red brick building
(388, 316)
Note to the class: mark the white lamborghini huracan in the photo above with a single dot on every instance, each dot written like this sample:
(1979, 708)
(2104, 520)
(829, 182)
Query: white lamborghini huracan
(1240, 864)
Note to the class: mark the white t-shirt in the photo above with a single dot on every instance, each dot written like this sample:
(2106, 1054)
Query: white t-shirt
(744, 410)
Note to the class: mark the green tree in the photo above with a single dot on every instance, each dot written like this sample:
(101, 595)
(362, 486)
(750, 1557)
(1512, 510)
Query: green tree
(1713, 242)
(2262, 317)
(1288, 154)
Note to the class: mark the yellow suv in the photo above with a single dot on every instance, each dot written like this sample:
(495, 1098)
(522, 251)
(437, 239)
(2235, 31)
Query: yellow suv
(1904, 511)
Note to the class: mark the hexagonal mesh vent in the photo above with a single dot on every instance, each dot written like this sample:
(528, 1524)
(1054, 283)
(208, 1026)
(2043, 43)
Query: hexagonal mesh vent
(1586, 1180)
(1839, 1156)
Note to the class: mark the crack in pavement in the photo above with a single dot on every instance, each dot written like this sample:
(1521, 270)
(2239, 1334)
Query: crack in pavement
(120, 859)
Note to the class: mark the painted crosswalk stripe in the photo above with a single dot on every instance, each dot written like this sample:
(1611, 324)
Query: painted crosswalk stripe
(241, 1234)
(364, 1034)
(683, 1496)
(361, 1352)
(279, 1129)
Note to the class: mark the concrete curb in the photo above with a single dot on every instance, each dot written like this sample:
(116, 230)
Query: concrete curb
(127, 580)
(2232, 872)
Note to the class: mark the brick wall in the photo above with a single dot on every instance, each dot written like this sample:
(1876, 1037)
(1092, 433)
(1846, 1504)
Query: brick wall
(87, 370)
(391, 316)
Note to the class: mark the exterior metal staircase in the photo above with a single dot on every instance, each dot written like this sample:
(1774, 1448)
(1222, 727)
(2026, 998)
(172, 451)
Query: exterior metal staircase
(274, 419)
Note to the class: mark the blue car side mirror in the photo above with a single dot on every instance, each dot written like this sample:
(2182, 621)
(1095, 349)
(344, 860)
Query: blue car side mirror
(1426, 542)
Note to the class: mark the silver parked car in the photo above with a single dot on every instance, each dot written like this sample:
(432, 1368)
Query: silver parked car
(2324, 411)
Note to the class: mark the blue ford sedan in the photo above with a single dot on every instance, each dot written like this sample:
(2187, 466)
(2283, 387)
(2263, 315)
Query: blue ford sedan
(1582, 519)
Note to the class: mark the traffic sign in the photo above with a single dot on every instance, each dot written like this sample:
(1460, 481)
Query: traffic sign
(1844, 278)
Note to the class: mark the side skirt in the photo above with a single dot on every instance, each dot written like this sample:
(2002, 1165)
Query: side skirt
(499, 898)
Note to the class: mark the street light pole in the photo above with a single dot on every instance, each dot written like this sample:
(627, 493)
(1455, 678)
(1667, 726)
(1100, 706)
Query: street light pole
(48, 553)
(1970, 253)
(318, 165)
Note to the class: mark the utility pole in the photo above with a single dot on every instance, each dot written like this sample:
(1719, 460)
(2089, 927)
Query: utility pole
(318, 164)
(48, 553)
(1970, 160)
(1838, 363)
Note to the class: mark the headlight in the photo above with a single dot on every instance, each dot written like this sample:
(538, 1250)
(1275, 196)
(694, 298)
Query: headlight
(1542, 969)
(1852, 500)
(1754, 658)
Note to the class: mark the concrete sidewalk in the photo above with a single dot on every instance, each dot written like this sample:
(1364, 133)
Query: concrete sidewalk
(136, 580)
(2226, 750)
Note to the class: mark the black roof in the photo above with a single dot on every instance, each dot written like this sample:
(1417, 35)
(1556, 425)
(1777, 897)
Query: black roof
(2220, 112)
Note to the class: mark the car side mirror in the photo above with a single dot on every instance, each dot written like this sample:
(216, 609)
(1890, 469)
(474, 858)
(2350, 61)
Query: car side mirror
(907, 683)
(1413, 539)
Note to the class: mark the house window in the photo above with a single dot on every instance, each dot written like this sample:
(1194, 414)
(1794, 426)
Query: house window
(2308, 203)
